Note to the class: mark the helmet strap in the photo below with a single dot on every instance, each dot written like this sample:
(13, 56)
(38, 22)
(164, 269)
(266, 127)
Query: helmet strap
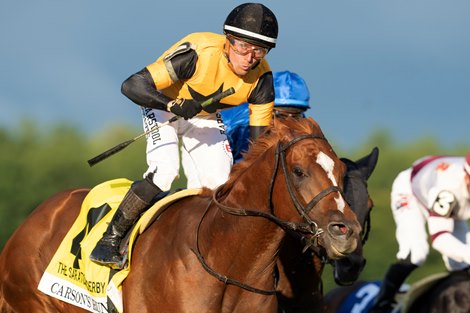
(227, 54)
(226, 49)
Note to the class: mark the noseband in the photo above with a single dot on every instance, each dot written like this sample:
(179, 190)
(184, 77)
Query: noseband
(308, 228)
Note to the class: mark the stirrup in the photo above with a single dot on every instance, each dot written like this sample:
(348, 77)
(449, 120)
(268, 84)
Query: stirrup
(119, 265)
(107, 254)
(115, 265)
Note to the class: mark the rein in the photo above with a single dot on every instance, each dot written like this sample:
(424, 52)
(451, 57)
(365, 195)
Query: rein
(310, 227)
(226, 280)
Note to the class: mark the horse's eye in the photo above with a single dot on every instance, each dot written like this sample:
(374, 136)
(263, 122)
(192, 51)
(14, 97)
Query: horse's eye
(299, 172)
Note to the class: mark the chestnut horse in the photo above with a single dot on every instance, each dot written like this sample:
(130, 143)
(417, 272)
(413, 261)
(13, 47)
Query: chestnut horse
(215, 252)
(300, 287)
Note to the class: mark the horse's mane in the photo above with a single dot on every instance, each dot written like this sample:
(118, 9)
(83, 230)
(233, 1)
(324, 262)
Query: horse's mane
(283, 130)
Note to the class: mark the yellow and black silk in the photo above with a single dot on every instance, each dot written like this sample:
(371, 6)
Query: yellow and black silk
(197, 68)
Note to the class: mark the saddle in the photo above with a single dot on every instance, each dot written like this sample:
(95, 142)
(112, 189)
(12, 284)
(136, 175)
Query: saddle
(71, 276)
(419, 288)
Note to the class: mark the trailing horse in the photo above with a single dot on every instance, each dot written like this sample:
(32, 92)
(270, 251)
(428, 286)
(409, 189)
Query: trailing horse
(214, 252)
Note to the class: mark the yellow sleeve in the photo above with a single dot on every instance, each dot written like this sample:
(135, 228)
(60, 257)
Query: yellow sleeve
(160, 75)
(261, 114)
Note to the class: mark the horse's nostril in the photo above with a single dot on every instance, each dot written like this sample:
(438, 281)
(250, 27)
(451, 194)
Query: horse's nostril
(338, 229)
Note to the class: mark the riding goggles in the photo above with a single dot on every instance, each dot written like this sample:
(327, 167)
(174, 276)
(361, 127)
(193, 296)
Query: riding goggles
(241, 47)
(283, 114)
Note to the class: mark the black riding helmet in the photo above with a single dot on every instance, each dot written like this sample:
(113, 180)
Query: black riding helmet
(254, 23)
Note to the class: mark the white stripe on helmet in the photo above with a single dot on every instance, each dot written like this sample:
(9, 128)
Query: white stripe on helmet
(248, 33)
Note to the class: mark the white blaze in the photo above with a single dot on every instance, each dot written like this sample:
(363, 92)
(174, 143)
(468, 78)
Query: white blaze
(328, 165)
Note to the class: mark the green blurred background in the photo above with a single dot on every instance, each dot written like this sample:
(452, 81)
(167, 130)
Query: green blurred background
(35, 163)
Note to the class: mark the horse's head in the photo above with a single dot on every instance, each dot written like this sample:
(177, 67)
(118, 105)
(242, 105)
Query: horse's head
(313, 180)
(346, 270)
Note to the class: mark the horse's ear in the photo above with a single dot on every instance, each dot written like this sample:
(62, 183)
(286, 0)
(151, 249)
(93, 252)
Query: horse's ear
(314, 122)
(367, 164)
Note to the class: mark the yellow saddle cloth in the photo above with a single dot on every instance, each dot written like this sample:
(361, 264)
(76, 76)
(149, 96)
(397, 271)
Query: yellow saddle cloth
(71, 276)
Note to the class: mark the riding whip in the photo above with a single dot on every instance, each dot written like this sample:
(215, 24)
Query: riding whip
(124, 144)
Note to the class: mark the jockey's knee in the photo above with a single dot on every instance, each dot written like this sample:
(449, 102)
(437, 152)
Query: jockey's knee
(146, 189)
(415, 257)
(415, 253)
(163, 178)
(418, 256)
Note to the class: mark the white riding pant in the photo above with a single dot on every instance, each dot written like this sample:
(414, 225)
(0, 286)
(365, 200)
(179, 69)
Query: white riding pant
(205, 151)
(410, 219)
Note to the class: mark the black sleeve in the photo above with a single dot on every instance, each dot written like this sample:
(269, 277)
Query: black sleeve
(255, 131)
(264, 90)
(141, 89)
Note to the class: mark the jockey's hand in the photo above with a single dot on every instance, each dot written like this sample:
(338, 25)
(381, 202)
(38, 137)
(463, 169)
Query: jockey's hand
(185, 108)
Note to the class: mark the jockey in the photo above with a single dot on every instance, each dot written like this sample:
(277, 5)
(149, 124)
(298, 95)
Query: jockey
(291, 99)
(436, 191)
(194, 69)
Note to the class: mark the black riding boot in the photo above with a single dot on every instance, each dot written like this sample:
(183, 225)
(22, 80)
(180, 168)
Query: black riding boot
(135, 202)
(394, 278)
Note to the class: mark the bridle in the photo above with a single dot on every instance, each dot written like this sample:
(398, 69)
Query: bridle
(308, 230)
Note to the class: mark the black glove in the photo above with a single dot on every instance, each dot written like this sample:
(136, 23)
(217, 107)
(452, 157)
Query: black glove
(184, 107)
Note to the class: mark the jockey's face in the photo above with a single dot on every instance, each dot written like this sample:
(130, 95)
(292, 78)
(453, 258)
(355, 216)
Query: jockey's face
(243, 56)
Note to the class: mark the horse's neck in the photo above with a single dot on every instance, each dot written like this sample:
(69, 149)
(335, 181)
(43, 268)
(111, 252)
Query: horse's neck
(252, 242)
